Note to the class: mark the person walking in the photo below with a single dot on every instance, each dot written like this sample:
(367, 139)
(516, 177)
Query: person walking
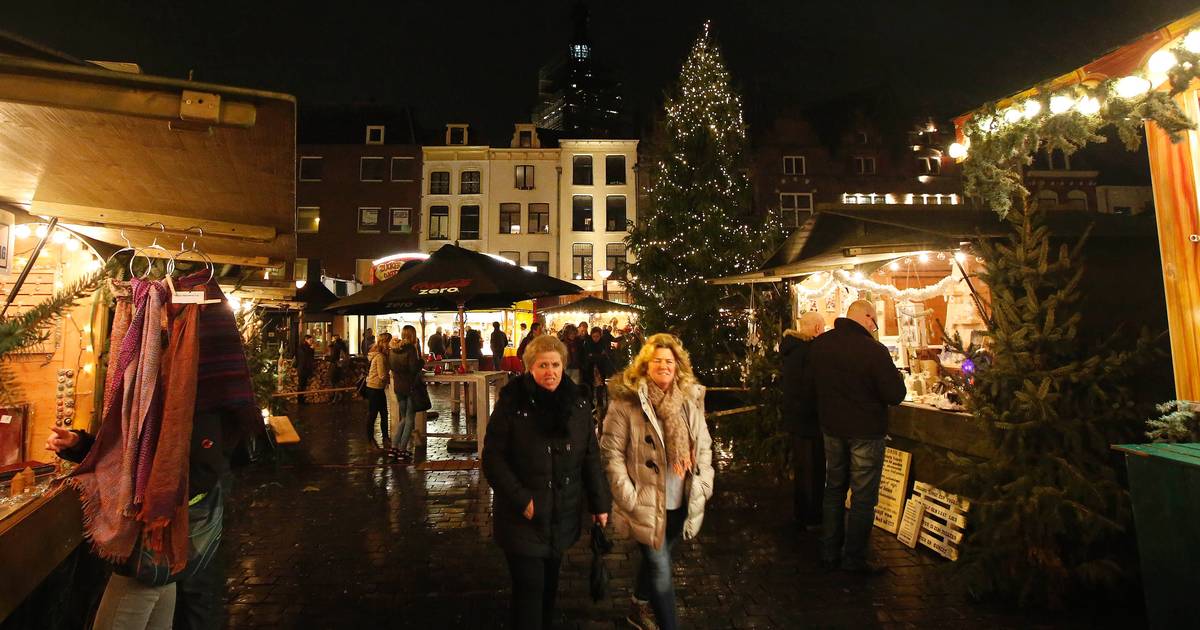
(474, 344)
(437, 343)
(570, 339)
(851, 379)
(808, 449)
(498, 341)
(306, 360)
(338, 355)
(368, 341)
(541, 458)
(658, 455)
(377, 379)
(406, 367)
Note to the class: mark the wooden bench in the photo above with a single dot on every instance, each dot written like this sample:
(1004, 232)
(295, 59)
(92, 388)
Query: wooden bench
(284, 432)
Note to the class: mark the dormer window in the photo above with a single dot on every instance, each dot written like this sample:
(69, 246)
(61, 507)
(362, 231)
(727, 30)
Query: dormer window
(525, 139)
(456, 134)
(374, 134)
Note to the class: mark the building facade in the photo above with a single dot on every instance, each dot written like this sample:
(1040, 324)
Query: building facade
(563, 208)
(577, 96)
(358, 193)
(801, 162)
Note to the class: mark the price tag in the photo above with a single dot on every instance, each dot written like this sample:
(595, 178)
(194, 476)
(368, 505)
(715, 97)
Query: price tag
(187, 297)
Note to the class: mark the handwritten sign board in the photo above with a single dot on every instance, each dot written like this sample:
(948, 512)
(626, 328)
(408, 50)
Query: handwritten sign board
(910, 524)
(943, 520)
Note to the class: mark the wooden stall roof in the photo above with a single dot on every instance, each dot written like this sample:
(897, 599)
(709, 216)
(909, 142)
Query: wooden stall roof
(104, 150)
(841, 236)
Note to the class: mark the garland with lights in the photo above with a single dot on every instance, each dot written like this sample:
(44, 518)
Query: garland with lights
(697, 223)
(1000, 143)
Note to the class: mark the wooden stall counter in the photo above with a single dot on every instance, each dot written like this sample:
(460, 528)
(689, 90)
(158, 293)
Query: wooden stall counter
(34, 540)
(932, 434)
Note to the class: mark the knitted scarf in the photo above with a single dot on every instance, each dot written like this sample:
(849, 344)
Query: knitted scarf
(668, 406)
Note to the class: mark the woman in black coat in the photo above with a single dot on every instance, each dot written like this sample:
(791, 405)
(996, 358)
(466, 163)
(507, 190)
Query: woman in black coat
(541, 457)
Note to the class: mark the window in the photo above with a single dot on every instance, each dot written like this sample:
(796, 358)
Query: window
(404, 169)
(300, 269)
(864, 165)
(614, 213)
(929, 165)
(439, 223)
(1047, 199)
(581, 170)
(539, 218)
(861, 137)
(374, 134)
(308, 219)
(439, 183)
(468, 183)
(311, 168)
(614, 170)
(581, 213)
(524, 177)
(1077, 200)
(794, 165)
(468, 223)
(614, 258)
(370, 169)
(400, 220)
(525, 138)
(510, 218)
(540, 261)
(513, 256)
(457, 134)
(793, 208)
(581, 261)
(368, 220)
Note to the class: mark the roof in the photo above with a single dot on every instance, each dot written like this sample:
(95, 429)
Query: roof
(840, 236)
(592, 305)
(101, 149)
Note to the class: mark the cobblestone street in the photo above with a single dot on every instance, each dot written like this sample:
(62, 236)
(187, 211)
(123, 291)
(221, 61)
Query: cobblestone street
(334, 536)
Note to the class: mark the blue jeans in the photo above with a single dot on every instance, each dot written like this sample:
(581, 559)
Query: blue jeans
(654, 575)
(408, 411)
(858, 464)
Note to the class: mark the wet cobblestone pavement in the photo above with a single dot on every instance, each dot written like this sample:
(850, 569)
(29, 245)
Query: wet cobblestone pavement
(334, 536)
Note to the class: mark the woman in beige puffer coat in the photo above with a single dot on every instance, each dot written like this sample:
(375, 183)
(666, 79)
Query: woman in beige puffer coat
(658, 455)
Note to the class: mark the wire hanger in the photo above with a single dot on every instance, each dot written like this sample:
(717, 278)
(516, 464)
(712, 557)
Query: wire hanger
(192, 296)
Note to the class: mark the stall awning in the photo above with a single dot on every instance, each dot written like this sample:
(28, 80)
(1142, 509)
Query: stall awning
(843, 236)
(592, 305)
(104, 150)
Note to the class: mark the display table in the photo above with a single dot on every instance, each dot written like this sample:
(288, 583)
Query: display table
(34, 540)
(450, 365)
(477, 388)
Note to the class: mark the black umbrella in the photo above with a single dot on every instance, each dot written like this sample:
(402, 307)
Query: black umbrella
(453, 279)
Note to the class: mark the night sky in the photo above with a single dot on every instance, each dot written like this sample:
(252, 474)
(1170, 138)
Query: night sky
(478, 61)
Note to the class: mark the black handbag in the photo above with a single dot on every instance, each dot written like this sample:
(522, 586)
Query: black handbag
(599, 575)
(420, 396)
(205, 524)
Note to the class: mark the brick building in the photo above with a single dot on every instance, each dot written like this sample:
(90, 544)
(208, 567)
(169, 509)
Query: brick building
(358, 193)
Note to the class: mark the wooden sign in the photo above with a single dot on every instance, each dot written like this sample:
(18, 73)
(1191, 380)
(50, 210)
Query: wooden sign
(943, 519)
(910, 524)
(893, 483)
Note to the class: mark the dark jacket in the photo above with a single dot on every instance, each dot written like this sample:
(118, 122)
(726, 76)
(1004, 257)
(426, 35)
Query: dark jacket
(455, 346)
(852, 380)
(794, 352)
(498, 341)
(474, 344)
(305, 359)
(541, 445)
(437, 344)
(596, 356)
(405, 364)
(524, 342)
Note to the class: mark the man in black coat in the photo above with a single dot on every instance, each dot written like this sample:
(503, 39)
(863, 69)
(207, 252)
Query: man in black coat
(808, 449)
(852, 380)
(541, 458)
(306, 361)
(498, 342)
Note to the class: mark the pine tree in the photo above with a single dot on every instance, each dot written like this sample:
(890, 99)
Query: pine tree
(1050, 518)
(697, 224)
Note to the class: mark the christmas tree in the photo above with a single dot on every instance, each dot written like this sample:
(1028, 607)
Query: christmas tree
(697, 224)
(1050, 517)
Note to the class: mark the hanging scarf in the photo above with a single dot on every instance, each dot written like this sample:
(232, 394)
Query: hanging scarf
(165, 508)
(104, 479)
(668, 406)
(148, 395)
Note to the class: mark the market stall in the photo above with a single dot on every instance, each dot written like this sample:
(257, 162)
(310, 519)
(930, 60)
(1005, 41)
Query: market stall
(92, 162)
(594, 311)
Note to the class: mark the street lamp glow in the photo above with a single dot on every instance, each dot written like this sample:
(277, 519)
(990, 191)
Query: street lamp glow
(605, 273)
(300, 284)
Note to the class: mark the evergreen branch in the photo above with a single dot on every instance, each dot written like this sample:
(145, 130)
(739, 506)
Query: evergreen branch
(31, 327)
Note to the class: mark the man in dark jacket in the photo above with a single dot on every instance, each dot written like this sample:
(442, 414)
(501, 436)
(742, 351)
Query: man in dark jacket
(474, 344)
(808, 449)
(851, 378)
(306, 361)
(498, 342)
(437, 343)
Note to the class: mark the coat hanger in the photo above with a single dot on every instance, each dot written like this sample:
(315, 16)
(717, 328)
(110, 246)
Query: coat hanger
(194, 296)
